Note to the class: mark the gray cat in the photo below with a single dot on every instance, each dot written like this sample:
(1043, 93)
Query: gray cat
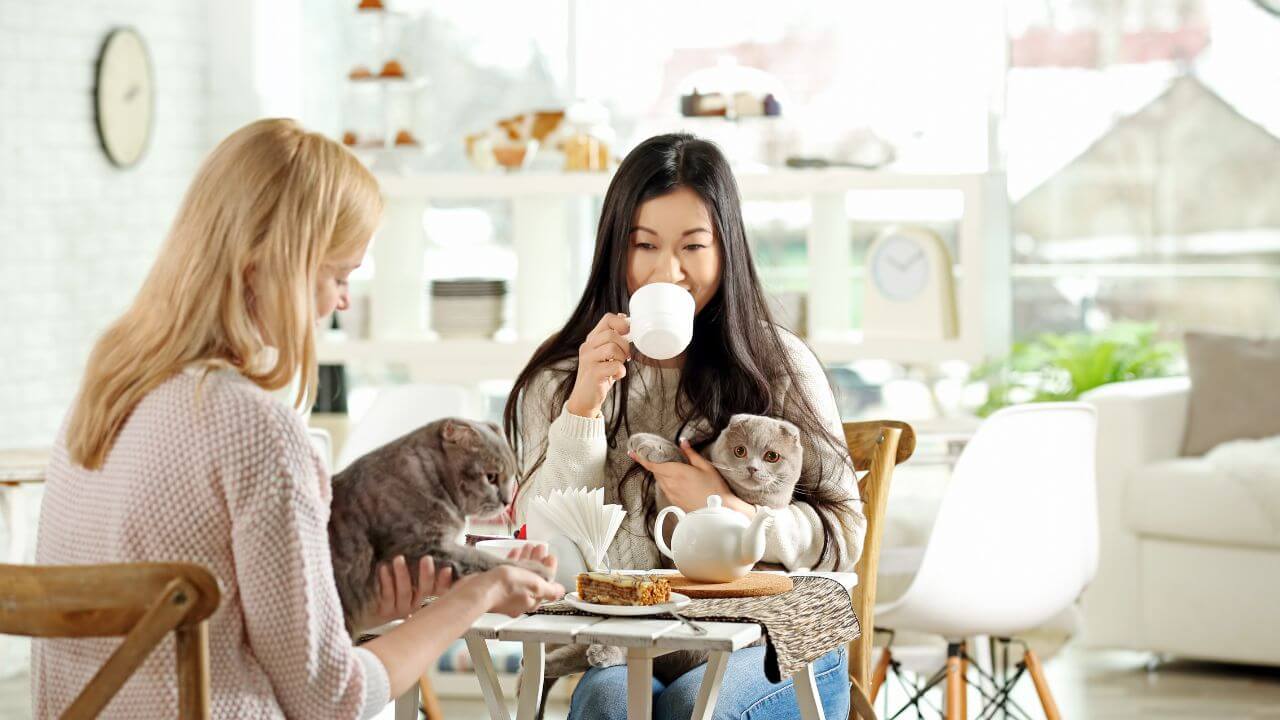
(412, 497)
(760, 459)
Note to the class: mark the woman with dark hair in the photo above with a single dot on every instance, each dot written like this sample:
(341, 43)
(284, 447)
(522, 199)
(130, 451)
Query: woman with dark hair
(672, 214)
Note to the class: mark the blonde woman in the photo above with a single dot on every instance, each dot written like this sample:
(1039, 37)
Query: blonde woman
(175, 450)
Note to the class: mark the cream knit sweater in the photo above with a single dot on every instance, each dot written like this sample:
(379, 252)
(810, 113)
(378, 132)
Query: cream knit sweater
(578, 456)
(221, 475)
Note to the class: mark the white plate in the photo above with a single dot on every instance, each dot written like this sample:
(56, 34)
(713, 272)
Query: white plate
(677, 601)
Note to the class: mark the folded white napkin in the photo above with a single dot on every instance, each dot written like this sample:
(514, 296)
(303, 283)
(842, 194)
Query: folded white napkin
(582, 516)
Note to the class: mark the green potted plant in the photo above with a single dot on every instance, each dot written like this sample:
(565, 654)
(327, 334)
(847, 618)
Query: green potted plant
(1062, 367)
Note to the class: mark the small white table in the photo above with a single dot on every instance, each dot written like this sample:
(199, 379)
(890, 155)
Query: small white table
(18, 469)
(644, 639)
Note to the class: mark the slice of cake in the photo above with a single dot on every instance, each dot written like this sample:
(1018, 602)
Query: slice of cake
(618, 589)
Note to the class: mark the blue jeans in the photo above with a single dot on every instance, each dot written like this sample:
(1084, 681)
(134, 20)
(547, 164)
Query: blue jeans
(745, 694)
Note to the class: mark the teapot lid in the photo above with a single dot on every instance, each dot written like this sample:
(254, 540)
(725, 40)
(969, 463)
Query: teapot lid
(715, 506)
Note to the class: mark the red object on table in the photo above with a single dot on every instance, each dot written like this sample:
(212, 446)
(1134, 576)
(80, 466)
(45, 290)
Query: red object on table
(523, 533)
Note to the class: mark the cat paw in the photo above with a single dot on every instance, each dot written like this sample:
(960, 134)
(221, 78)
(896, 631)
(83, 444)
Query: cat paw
(603, 656)
(654, 448)
(538, 569)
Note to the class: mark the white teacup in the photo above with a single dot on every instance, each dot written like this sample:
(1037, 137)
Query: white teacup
(502, 548)
(661, 320)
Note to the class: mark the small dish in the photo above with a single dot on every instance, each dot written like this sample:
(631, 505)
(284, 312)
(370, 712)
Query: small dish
(678, 601)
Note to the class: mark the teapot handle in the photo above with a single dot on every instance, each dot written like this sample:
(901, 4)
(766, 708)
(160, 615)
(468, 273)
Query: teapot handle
(657, 528)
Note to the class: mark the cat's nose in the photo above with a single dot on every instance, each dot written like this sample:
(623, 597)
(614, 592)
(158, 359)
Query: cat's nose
(753, 469)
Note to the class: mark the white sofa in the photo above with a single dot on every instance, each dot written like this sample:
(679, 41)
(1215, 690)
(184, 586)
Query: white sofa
(1190, 564)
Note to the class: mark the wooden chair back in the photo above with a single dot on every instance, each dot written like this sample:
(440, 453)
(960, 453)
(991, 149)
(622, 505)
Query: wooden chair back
(143, 602)
(876, 447)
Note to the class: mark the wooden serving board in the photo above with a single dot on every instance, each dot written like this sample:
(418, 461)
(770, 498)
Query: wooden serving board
(756, 584)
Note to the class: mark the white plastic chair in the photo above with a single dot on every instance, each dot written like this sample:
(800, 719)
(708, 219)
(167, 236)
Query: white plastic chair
(322, 441)
(397, 410)
(1014, 544)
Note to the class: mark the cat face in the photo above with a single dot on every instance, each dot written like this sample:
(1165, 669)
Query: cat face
(760, 458)
(480, 467)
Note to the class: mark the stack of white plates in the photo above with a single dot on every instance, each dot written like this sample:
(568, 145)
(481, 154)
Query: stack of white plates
(467, 307)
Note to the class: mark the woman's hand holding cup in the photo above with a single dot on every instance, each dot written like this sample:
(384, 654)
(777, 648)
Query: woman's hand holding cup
(602, 361)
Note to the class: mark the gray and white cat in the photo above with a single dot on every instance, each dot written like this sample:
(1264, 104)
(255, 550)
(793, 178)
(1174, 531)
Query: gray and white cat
(412, 497)
(760, 459)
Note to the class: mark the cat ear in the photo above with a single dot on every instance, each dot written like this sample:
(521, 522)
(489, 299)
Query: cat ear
(456, 431)
(790, 430)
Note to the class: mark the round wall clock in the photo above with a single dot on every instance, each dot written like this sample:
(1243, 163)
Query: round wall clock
(124, 97)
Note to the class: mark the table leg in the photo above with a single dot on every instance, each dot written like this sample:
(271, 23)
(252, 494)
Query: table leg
(640, 683)
(407, 705)
(15, 522)
(710, 689)
(531, 680)
(488, 678)
(807, 694)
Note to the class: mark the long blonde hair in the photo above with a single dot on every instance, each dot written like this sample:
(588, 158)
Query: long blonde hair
(236, 274)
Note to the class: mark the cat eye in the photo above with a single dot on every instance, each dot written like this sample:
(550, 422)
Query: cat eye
(492, 478)
(740, 452)
(772, 457)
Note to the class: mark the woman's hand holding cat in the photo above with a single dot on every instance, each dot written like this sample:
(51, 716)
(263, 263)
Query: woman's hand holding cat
(397, 598)
(601, 363)
(688, 486)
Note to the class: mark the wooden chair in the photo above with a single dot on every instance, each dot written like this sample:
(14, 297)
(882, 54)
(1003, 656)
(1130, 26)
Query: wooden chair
(142, 602)
(877, 447)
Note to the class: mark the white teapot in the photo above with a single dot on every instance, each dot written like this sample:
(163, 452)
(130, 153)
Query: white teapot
(714, 544)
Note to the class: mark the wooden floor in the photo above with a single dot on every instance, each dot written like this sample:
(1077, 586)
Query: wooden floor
(1088, 684)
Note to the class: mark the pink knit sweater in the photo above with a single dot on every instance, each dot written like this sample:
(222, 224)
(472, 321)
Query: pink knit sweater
(221, 474)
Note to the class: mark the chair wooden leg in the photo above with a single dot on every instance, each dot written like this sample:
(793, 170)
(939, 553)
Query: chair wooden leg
(1042, 685)
(193, 671)
(881, 672)
(859, 703)
(955, 684)
(430, 703)
(964, 684)
(860, 661)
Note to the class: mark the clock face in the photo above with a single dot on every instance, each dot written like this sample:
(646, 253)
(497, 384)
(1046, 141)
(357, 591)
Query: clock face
(124, 97)
(900, 268)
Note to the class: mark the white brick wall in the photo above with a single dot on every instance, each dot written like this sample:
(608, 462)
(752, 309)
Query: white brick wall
(77, 235)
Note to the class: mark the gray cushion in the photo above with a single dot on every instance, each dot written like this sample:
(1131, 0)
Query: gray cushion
(1235, 390)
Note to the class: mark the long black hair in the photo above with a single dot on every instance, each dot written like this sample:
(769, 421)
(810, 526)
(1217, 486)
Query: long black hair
(737, 359)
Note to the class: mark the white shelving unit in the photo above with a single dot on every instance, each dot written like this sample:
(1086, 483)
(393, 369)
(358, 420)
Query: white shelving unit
(544, 292)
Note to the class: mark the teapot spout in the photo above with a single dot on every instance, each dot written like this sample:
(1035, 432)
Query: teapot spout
(751, 543)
